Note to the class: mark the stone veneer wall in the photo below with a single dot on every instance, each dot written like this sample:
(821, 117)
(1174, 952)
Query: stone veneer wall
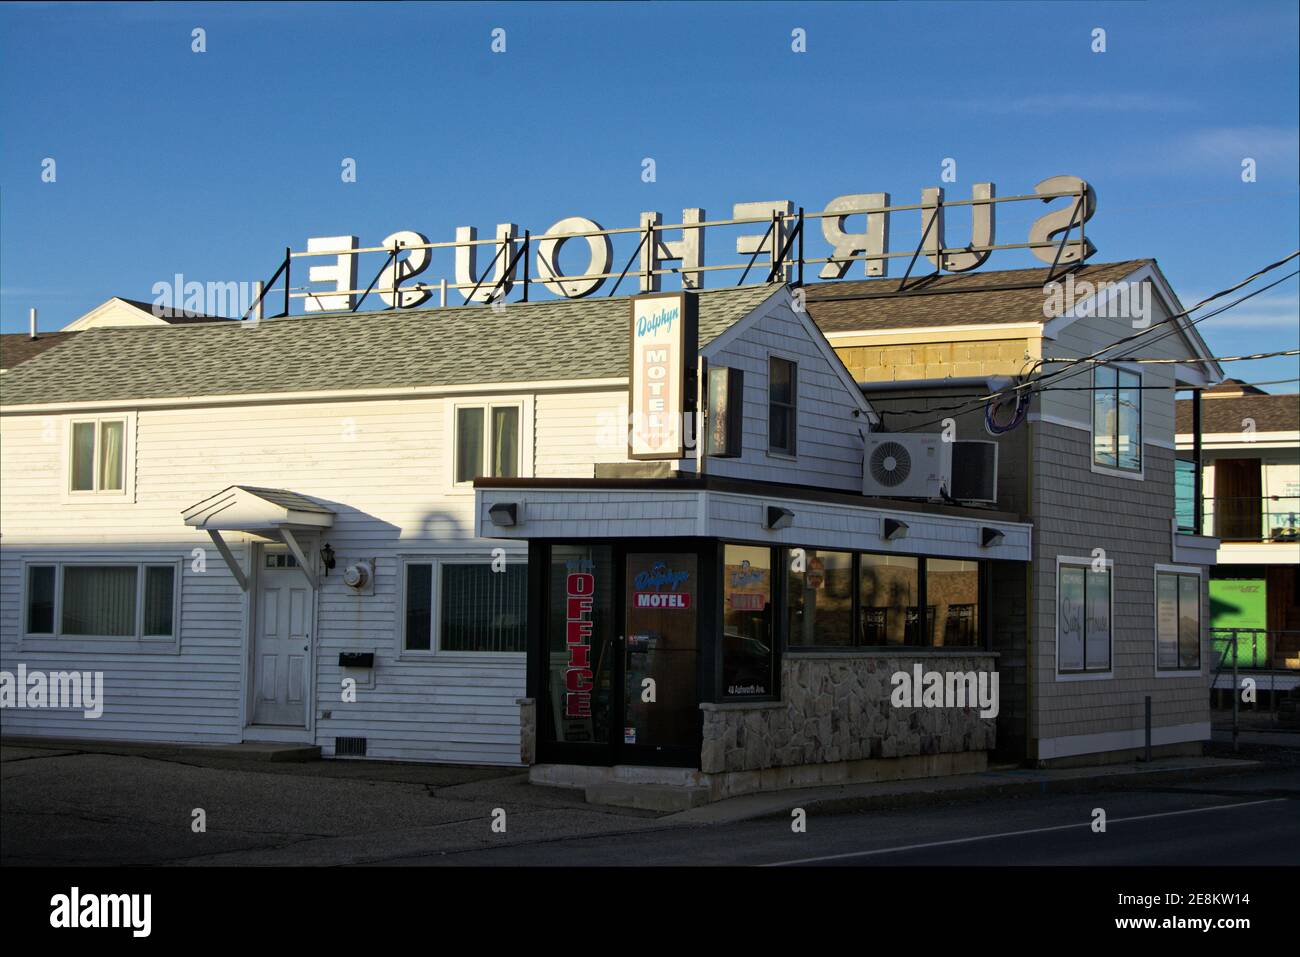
(835, 707)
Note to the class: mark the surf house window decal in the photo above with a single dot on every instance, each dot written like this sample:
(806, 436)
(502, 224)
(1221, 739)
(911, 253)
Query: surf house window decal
(1083, 618)
(1178, 621)
(748, 646)
(459, 607)
(487, 441)
(661, 371)
(782, 411)
(1117, 419)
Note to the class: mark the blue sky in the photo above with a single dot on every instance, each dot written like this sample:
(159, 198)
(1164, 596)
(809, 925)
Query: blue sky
(169, 161)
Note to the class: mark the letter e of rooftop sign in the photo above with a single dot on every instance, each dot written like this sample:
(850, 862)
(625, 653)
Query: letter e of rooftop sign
(748, 245)
(548, 258)
(415, 263)
(689, 249)
(467, 262)
(874, 242)
(1046, 228)
(343, 273)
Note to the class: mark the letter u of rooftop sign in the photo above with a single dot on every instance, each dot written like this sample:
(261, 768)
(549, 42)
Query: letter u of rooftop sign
(766, 243)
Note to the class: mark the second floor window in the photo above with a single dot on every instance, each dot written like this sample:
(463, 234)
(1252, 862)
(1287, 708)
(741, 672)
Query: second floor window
(487, 442)
(97, 455)
(782, 413)
(1117, 419)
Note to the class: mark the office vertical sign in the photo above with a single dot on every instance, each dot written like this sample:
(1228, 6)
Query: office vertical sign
(661, 375)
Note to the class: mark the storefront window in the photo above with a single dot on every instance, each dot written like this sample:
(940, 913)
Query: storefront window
(579, 637)
(952, 590)
(819, 598)
(748, 653)
(888, 592)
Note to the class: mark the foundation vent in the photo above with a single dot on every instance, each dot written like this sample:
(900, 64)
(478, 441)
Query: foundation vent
(350, 747)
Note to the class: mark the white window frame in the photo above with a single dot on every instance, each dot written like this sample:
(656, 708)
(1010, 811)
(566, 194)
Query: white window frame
(435, 649)
(794, 407)
(1138, 474)
(487, 403)
(57, 640)
(98, 496)
(1188, 571)
(1070, 561)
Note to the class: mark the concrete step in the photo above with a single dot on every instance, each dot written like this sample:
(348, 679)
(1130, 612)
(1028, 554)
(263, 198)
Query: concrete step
(647, 797)
(264, 751)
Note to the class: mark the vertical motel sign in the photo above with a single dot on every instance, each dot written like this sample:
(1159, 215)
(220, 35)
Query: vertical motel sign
(661, 375)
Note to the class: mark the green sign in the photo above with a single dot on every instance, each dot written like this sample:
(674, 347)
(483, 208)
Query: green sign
(1240, 603)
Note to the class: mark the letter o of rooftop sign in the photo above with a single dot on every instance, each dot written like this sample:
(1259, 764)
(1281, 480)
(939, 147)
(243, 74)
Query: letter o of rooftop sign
(548, 258)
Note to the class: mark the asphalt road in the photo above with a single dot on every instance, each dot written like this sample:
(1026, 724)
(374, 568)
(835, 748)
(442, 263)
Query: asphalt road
(77, 807)
(1239, 820)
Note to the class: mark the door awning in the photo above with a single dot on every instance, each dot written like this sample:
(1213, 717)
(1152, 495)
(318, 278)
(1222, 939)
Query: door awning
(272, 513)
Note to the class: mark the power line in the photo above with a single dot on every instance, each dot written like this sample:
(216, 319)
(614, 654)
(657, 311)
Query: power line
(1037, 385)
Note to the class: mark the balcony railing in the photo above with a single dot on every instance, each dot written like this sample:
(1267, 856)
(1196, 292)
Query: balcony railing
(1271, 519)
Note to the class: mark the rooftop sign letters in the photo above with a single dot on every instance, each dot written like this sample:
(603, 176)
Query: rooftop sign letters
(774, 241)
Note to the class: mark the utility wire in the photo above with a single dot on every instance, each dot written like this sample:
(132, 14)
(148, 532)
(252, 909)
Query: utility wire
(1037, 385)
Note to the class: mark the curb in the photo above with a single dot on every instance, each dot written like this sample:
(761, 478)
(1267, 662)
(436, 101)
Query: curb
(778, 804)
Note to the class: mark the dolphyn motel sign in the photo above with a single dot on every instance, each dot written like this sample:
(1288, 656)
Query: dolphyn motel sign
(771, 244)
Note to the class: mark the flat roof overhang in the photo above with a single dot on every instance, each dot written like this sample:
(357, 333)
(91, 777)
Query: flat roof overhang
(732, 510)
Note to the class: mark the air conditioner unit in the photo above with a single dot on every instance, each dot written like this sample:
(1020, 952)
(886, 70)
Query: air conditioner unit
(974, 471)
(906, 465)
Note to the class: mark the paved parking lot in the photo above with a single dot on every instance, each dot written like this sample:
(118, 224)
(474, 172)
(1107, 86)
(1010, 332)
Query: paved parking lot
(60, 807)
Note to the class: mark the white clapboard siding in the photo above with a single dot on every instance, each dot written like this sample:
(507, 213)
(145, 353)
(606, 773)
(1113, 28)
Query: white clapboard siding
(829, 437)
(384, 467)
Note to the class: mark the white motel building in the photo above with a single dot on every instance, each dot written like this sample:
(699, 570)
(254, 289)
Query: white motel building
(426, 534)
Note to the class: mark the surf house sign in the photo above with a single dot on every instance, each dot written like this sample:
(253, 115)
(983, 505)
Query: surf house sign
(856, 228)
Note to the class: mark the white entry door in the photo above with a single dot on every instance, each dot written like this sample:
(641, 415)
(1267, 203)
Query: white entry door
(282, 645)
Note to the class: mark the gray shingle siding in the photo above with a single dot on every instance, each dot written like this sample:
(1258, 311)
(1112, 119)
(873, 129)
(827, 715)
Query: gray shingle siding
(1075, 511)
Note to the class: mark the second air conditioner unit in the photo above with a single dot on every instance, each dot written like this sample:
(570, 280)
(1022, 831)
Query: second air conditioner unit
(906, 465)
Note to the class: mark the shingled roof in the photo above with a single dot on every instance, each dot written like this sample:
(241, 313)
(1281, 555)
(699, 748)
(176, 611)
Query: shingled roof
(953, 299)
(548, 340)
(18, 347)
(1271, 413)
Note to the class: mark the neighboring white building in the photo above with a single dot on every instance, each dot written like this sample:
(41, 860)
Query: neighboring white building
(117, 312)
(1250, 500)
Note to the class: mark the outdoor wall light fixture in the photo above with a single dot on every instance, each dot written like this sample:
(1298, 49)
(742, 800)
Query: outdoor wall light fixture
(778, 517)
(504, 514)
(327, 557)
(893, 529)
(991, 536)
